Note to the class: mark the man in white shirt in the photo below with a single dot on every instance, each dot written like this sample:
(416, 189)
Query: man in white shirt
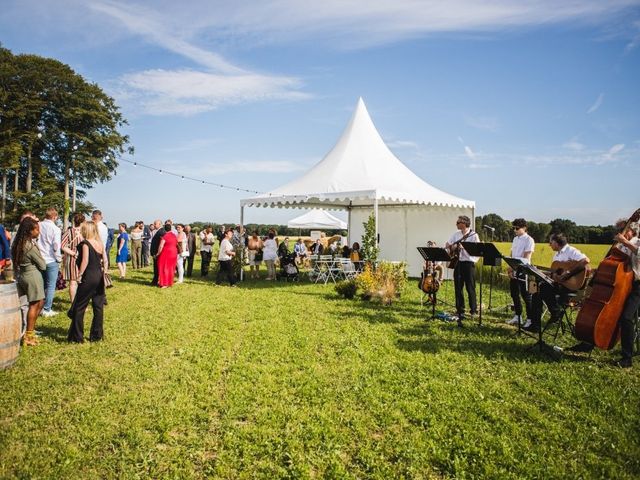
(547, 293)
(464, 272)
(103, 231)
(522, 248)
(225, 258)
(206, 245)
(49, 245)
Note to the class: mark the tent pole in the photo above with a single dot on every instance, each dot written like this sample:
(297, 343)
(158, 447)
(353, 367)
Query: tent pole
(349, 242)
(375, 216)
(242, 247)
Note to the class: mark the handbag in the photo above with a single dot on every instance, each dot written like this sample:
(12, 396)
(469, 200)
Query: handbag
(108, 283)
(61, 283)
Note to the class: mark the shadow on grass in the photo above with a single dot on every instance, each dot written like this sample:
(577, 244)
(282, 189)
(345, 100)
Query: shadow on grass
(54, 332)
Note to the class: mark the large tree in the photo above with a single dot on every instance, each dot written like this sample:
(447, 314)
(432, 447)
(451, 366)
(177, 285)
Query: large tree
(56, 129)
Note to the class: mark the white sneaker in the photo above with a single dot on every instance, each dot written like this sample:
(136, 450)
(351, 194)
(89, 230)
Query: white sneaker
(48, 313)
(513, 321)
(527, 324)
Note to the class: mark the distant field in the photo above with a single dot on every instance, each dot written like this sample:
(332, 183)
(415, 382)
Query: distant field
(543, 254)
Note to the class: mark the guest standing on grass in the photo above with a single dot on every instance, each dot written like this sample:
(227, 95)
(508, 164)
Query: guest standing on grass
(122, 256)
(49, 244)
(29, 268)
(167, 258)
(191, 248)
(158, 233)
(136, 245)
(225, 259)
(270, 255)
(70, 241)
(183, 251)
(91, 263)
(255, 254)
(206, 246)
(146, 244)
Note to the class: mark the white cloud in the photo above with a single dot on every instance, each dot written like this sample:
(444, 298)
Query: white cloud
(617, 148)
(469, 153)
(187, 92)
(635, 40)
(573, 145)
(489, 124)
(408, 144)
(596, 104)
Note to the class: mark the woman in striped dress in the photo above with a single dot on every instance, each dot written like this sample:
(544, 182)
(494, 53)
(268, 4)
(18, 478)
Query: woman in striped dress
(69, 246)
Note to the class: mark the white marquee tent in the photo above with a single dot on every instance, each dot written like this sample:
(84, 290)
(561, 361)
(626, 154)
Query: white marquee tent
(317, 218)
(361, 175)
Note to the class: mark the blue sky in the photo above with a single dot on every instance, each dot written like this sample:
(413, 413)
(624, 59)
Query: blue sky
(530, 108)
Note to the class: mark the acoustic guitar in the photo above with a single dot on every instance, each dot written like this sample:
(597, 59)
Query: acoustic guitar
(575, 281)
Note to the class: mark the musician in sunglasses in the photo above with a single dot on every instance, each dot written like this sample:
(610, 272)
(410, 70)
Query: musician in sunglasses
(464, 271)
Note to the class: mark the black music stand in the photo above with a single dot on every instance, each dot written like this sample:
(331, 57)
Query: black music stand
(434, 254)
(490, 256)
(540, 278)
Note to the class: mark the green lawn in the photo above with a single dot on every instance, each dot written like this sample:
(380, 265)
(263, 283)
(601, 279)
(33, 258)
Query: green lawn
(288, 381)
(543, 254)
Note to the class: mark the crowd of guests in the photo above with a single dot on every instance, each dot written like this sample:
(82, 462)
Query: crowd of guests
(38, 250)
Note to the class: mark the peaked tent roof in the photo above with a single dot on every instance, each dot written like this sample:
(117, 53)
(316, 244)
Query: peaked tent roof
(317, 218)
(359, 169)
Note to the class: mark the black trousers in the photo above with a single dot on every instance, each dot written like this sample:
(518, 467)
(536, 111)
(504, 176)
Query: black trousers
(627, 331)
(518, 287)
(154, 281)
(188, 264)
(549, 296)
(93, 291)
(206, 261)
(464, 277)
(226, 267)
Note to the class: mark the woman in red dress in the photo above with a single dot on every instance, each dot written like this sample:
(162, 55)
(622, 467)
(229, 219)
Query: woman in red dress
(167, 258)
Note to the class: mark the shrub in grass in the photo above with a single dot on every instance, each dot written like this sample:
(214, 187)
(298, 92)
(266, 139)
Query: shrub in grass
(347, 288)
(385, 283)
(366, 283)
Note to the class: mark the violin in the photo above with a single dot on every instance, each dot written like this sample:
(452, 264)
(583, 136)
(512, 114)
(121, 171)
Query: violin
(597, 320)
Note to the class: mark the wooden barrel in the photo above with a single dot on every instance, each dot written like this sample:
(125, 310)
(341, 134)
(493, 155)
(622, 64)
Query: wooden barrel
(10, 324)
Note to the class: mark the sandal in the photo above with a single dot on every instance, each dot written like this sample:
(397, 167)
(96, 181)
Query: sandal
(29, 339)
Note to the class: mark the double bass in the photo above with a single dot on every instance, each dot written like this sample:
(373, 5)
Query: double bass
(597, 320)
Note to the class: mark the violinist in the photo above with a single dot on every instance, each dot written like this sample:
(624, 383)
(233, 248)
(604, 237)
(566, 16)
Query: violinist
(547, 293)
(431, 277)
(464, 271)
(629, 242)
(522, 248)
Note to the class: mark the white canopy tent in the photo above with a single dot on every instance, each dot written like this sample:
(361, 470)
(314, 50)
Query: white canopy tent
(317, 218)
(361, 175)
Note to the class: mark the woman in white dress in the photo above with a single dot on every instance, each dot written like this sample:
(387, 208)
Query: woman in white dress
(183, 251)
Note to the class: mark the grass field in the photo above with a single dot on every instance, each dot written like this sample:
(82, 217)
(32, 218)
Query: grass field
(543, 254)
(288, 381)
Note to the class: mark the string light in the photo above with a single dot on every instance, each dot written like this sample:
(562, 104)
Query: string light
(203, 182)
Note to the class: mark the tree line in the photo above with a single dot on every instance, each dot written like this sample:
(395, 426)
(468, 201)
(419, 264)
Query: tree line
(503, 231)
(59, 136)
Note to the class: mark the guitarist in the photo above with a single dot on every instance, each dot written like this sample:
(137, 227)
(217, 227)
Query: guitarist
(464, 271)
(547, 293)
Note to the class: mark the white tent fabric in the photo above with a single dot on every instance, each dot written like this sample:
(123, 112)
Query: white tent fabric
(317, 218)
(361, 175)
(357, 170)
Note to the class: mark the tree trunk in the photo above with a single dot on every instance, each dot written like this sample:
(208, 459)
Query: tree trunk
(29, 171)
(65, 218)
(4, 195)
(16, 189)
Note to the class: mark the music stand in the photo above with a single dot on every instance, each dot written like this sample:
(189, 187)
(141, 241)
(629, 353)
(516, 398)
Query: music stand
(540, 278)
(490, 256)
(434, 254)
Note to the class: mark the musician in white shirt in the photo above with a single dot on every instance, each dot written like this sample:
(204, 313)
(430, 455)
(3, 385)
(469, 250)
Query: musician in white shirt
(522, 248)
(547, 293)
(464, 272)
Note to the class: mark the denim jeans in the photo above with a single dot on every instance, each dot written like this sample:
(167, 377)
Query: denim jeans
(50, 276)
